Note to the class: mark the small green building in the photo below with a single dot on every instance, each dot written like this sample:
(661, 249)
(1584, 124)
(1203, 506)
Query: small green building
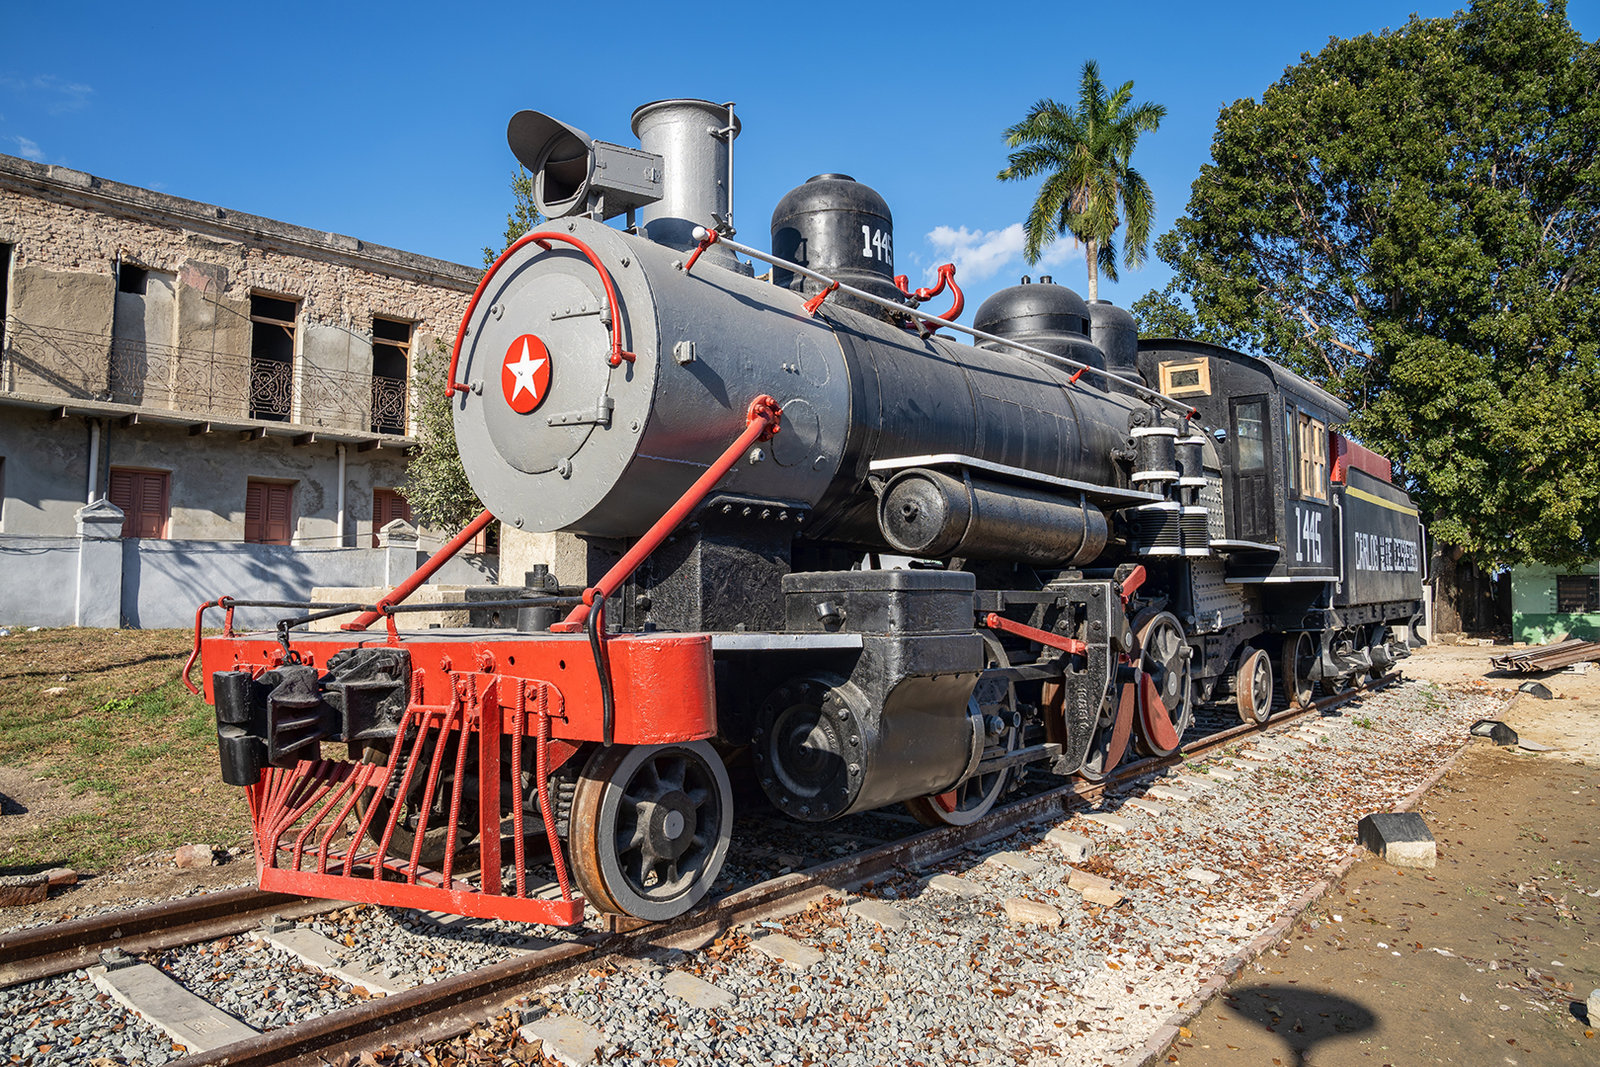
(1554, 603)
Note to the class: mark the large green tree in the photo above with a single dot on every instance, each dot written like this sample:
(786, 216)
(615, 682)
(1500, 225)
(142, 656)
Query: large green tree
(1410, 218)
(436, 485)
(1090, 187)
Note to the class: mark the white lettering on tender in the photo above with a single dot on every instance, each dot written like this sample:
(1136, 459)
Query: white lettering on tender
(1378, 552)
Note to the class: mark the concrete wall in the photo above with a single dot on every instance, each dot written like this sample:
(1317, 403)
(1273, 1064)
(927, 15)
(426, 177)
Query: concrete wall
(46, 472)
(40, 580)
(1534, 618)
(161, 583)
(164, 581)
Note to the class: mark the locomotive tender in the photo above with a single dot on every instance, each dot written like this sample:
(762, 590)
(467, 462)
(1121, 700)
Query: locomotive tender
(1098, 534)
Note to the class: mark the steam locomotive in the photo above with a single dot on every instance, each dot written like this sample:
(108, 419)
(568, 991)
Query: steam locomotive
(810, 544)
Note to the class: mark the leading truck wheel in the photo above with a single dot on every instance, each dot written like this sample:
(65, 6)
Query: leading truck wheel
(650, 827)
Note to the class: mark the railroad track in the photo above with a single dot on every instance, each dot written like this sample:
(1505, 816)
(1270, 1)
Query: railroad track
(452, 1006)
(45, 951)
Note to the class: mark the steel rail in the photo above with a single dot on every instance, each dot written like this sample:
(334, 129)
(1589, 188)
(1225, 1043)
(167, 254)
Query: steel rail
(451, 1007)
(45, 951)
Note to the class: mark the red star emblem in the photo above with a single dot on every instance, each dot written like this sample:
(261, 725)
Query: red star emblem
(525, 374)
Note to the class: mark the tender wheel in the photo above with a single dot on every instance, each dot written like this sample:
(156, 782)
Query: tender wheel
(1166, 658)
(435, 836)
(650, 827)
(1299, 656)
(972, 799)
(1252, 686)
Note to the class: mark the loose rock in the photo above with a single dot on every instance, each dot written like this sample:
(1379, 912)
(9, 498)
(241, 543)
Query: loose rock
(195, 856)
(1021, 910)
(16, 889)
(1096, 894)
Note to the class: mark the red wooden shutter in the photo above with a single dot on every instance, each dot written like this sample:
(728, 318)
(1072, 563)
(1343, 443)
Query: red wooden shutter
(143, 498)
(252, 511)
(387, 506)
(268, 517)
(122, 495)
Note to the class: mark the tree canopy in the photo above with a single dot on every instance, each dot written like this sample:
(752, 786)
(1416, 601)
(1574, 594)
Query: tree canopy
(1410, 218)
(1090, 188)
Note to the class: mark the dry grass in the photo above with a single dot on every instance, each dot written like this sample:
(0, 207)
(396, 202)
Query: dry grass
(134, 752)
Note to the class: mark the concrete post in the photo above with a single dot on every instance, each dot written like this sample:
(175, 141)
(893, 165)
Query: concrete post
(399, 543)
(99, 597)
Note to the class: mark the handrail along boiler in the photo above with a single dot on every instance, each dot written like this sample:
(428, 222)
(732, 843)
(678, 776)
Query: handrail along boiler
(1096, 534)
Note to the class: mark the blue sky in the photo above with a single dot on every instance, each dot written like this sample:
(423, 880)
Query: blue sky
(387, 122)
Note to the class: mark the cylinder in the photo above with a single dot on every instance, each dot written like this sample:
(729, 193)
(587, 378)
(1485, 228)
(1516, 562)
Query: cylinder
(838, 227)
(935, 516)
(1156, 454)
(1157, 529)
(687, 135)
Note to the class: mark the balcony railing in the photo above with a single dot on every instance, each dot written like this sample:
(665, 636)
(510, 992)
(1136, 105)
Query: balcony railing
(75, 365)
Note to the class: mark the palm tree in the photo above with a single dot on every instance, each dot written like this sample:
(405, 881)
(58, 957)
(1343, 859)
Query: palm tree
(1090, 189)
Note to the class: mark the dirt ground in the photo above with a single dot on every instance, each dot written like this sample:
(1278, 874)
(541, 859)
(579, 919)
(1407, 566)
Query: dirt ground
(1487, 959)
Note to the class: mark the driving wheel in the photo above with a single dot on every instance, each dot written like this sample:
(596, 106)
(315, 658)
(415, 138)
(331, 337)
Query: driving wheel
(1299, 656)
(1165, 657)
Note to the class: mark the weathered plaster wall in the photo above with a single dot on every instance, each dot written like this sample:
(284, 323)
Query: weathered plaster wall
(46, 472)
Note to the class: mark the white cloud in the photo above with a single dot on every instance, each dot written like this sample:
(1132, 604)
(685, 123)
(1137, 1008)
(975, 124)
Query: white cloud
(29, 150)
(981, 254)
(977, 254)
(59, 96)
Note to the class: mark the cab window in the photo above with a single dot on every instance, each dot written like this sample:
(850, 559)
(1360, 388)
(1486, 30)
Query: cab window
(1311, 456)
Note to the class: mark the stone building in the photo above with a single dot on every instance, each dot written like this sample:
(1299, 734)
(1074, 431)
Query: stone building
(219, 377)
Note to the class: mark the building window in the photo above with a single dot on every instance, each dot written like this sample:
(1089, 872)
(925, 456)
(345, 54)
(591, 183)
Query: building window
(142, 324)
(268, 512)
(272, 324)
(387, 506)
(391, 365)
(1577, 594)
(132, 279)
(1311, 452)
(5, 287)
(143, 497)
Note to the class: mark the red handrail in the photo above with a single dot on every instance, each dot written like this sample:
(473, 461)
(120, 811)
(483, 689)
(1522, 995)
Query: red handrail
(542, 239)
(422, 573)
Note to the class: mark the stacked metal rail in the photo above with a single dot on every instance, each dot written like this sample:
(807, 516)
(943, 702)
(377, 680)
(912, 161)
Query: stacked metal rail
(1550, 658)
